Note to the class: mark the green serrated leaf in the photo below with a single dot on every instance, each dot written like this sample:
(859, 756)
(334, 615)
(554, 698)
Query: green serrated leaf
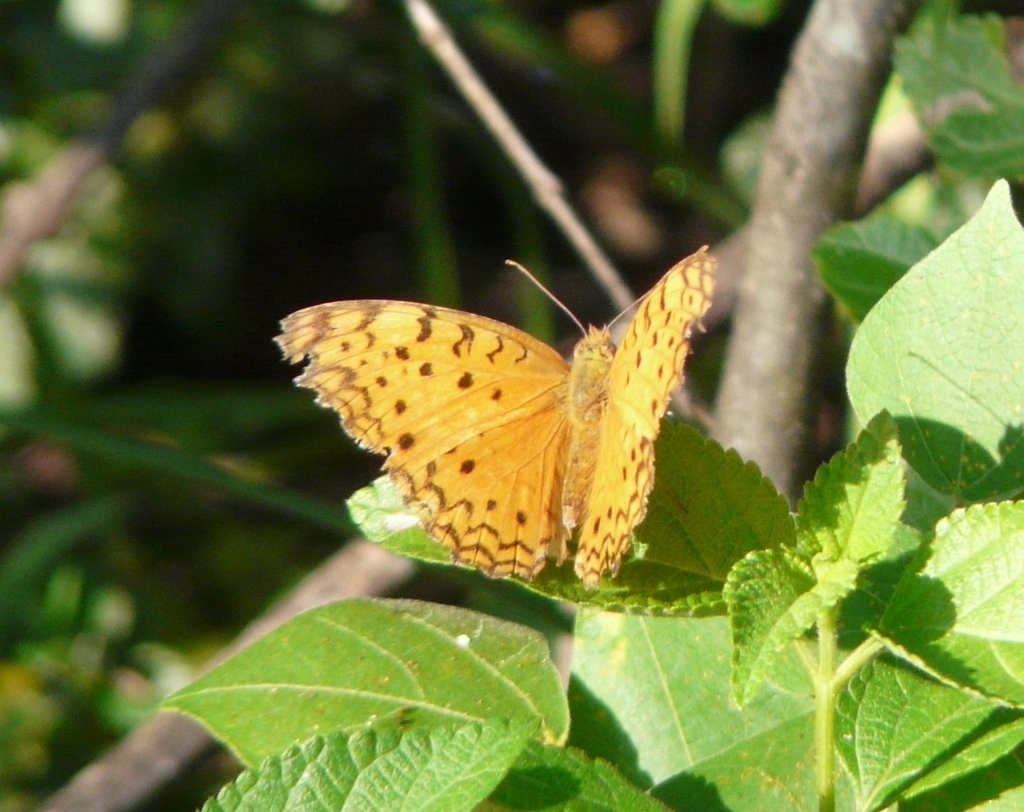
(895, 726)
(767, 593)
(709, 507)
(989, 744)
(997, 787)
(876, 583)
(859, 262)
(346, 664)
(961, 615)
(640, 586)
(380, 513)
(956, 73)
(554, 779)
(444, 768)
(940, 353)
(663, 683)
(643, 587)
(851, 511)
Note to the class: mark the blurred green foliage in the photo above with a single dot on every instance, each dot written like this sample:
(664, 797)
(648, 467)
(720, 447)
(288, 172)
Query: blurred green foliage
(316, 153)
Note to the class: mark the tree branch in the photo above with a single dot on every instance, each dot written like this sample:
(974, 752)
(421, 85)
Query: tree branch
(807, 181)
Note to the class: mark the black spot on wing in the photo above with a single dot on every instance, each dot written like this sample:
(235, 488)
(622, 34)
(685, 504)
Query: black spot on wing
(464, 344)
(497, 350)
(426, 326)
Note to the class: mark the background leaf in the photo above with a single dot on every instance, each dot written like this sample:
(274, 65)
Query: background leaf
(939, 352)
(956, 73)
(860, 261)
(962, 613)
(346, 664)
(660, 688)
(894, 725)
(556, 779)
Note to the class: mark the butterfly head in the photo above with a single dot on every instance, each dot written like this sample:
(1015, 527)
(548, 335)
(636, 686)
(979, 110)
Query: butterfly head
(595, 348)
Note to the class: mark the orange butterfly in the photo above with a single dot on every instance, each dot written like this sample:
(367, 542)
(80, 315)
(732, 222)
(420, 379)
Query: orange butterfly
(501, 446)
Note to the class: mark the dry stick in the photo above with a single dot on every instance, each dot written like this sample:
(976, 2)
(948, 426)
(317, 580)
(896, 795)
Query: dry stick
(546, 188)
(32, 211)
(164, 747)
(808, 179)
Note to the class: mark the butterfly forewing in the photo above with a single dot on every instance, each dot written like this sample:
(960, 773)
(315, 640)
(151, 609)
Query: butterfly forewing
(467, 408)
(647, 367)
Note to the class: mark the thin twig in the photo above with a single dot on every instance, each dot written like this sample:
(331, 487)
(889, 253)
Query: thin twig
(545, 186)
(155, 753)
(807, 181)
(37, 209)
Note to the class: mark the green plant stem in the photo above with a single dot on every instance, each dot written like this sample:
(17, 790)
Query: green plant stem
(854, 662)
(824, 711)
(673, 36)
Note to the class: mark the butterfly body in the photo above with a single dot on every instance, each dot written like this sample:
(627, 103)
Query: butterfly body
(585, 401)
(501, 446)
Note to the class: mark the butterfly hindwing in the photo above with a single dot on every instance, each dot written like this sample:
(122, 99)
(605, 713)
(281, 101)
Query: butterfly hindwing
(506, 522)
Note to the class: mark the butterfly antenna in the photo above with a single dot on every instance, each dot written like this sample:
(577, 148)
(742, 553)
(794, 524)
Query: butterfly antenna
(547, 293)
(628, 311)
